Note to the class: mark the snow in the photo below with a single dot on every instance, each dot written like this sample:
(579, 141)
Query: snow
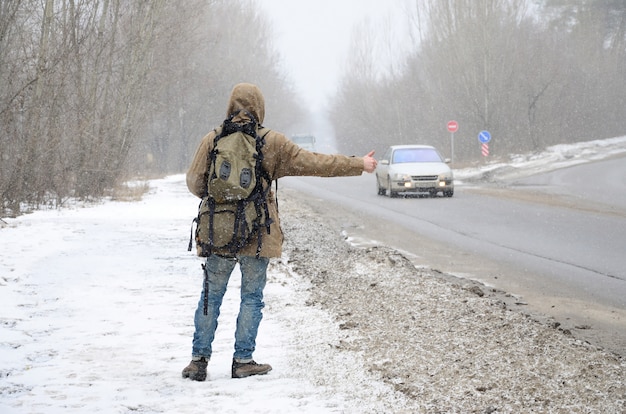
(97, 302)
(552, 158)
(97, 315)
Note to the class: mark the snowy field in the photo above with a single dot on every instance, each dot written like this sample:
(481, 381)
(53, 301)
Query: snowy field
(96, 315)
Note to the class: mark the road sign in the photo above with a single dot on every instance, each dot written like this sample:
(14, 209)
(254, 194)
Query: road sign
(484, 137)
(485, 149)
(453, 126)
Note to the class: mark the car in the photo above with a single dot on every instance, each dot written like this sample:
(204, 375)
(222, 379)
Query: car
(304, 141)
(415, 169)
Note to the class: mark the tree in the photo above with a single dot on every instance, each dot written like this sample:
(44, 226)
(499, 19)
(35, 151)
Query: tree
(94, 92)
(531, 79)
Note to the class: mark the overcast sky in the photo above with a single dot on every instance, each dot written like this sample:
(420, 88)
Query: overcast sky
(313, 37)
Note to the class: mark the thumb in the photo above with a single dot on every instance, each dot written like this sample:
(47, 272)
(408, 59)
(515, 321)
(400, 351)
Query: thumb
(371, 153)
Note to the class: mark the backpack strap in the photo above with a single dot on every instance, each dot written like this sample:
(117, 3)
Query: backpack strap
(210, 157)
(205, 299)
(266, 176)
(276, 195)
(194, 221)
(239, 226)
(260, 202)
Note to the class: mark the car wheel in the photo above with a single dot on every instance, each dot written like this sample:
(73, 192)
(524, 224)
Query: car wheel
(381, 189)
(448, 193)
(390, 193)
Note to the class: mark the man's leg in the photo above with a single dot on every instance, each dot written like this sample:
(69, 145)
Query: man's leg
(253, 279)
(218, 270)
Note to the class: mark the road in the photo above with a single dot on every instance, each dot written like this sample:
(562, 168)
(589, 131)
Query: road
(555, 247)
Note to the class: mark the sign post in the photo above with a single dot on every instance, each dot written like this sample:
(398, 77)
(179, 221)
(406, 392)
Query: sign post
(485, 150)
(484, 137)
(453, 126)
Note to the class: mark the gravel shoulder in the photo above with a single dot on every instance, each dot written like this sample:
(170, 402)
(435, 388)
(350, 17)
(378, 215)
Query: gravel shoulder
(447, 344)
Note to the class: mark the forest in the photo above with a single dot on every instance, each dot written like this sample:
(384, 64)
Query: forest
(97, 92)
(532, 73)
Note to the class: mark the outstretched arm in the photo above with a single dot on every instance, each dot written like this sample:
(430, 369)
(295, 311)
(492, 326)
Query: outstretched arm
(283, 158)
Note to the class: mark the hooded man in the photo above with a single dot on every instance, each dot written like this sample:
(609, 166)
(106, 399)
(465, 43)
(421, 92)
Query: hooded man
(281, 158)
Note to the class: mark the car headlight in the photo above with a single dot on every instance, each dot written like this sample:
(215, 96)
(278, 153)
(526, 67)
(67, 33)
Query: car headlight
(445, 180)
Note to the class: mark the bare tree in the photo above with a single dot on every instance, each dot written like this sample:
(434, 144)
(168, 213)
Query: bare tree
(595, 81)
(95, 91)
(226, 44)
(490, 64)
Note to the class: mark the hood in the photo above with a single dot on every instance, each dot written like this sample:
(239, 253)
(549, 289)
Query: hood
(247, 97)
(420, 168)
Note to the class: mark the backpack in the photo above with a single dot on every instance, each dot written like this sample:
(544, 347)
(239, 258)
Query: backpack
(234, 208)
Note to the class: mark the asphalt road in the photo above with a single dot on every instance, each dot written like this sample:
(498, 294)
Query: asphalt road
(554, 241)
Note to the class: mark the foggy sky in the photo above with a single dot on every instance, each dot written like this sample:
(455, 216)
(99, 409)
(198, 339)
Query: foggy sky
(313, 38)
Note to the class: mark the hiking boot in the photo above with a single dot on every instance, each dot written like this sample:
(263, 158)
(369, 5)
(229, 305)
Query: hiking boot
(246, 369)
(196, 370)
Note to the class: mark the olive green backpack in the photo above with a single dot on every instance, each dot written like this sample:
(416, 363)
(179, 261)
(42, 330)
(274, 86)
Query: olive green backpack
(234, 209)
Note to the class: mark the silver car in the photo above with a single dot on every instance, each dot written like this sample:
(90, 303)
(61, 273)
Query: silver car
(416, 169)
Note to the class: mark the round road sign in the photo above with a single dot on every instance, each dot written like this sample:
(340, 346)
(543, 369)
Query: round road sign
(484, 137)
(453, 126)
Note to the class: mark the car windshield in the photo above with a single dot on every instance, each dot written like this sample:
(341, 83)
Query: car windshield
(415, 155)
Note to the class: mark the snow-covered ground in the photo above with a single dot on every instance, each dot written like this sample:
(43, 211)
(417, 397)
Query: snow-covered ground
(555, 157)
(97, 302)
(97, 307)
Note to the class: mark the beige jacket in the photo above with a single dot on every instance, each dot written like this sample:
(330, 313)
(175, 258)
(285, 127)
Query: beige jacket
(281, 158)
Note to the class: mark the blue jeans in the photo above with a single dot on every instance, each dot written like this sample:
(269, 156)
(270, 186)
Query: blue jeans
(253, 278)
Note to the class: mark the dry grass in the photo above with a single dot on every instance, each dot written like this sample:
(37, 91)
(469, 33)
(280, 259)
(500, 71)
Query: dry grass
(130, 191)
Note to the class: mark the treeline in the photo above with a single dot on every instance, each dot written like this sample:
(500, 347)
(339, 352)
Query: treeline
(532, 73)
(94, 92)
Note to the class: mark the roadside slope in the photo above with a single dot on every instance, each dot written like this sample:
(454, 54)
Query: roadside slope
(449, 347)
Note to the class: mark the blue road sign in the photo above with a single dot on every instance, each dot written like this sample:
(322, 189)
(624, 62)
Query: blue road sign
(484, 137)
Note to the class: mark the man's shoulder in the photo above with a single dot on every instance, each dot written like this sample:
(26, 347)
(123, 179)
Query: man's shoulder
(271, 135)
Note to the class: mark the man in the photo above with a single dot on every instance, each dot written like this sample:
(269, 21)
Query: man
(281, 158)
